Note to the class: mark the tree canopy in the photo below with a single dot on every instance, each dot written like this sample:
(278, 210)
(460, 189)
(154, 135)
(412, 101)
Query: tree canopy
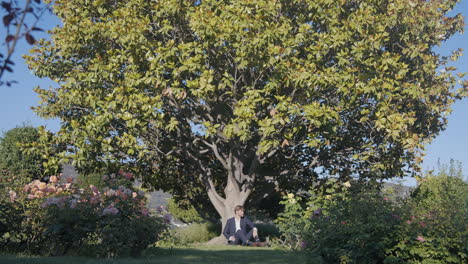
(229, 98)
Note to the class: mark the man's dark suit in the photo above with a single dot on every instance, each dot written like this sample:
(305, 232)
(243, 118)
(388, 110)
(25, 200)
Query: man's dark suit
(243, 235)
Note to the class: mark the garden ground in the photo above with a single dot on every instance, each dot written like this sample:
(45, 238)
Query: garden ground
(192, 255)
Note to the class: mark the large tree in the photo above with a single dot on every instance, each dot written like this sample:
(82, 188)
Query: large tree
(235, 97)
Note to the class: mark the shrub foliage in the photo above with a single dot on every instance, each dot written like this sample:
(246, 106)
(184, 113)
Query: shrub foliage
(60, 217)
(354, 222)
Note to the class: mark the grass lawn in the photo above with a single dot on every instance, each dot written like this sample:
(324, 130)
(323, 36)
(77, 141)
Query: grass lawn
(201, 254)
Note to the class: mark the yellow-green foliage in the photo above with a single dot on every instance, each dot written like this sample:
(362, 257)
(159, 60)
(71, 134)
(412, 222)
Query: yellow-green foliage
(193, 92)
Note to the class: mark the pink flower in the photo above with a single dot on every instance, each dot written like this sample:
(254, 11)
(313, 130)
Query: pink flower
(343, 222)
(53, 179)
(69, 180)
(422, 224)
(110, 210)
(408, 222)
(128, 176)
(31, 196)
(94, 199)
(385, 198)
(121, 171)
(94, 189)
(42, 185)
(51, 189)
(420, 239)
(35, 182)
(134, 194)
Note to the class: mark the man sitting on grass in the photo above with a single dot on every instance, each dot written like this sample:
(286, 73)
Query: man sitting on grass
(239, 230)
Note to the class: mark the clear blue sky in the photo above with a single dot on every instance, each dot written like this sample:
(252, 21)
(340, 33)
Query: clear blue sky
(16, 101)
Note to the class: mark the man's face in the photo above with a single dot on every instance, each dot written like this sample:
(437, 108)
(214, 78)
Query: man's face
(240, 213)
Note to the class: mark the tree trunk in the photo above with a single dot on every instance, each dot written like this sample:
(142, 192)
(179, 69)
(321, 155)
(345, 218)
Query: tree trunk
(227, 211)
(235, 194)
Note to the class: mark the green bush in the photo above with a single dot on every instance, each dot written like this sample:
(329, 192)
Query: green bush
(14, 161)
(436, 231)
(355, 222)
(191, 234)
(291, 222)
(120, 236)
(185, 213)
(10, 217)
(356, 227)
(268, 229)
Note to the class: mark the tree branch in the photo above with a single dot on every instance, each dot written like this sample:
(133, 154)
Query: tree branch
(214, 147)
(11, 48)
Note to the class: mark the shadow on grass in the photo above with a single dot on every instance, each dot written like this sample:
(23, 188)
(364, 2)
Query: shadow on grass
(200, 255)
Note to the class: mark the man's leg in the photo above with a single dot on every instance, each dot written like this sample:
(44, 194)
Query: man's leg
(243, 237)
(256, 238)
(249, 234)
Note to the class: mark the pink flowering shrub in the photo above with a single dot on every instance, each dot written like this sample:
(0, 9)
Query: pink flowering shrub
(112, 221)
